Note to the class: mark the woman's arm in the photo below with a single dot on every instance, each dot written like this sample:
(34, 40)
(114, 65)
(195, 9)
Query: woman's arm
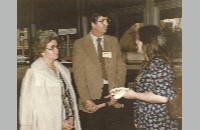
(146, 96)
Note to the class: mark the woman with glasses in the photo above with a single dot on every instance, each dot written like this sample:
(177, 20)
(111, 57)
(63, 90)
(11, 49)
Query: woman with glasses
(47, 100)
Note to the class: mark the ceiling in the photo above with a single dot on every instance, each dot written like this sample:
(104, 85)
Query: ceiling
(50, 14)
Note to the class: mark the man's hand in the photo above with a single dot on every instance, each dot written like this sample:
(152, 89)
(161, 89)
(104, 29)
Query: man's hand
(112, 100)
(91, 107)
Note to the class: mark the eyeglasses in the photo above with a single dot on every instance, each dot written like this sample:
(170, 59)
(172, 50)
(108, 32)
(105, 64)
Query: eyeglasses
(53, 47)
(103, 20)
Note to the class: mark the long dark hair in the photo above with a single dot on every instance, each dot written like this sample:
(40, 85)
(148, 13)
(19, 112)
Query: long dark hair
(154, 43)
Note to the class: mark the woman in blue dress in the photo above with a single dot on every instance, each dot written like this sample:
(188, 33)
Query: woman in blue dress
(154, 83)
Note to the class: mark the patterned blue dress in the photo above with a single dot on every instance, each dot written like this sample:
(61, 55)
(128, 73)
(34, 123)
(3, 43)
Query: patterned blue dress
(157, 78)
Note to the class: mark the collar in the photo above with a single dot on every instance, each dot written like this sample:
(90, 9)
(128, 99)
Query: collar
(94, 38)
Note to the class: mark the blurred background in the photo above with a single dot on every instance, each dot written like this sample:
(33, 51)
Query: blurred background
(69, 18)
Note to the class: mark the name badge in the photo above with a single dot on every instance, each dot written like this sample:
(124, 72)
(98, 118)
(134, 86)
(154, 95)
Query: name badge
(107, 54)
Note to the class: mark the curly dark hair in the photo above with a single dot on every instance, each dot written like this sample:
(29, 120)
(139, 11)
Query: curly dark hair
(94, 17)
(41, 40)
(154, 42)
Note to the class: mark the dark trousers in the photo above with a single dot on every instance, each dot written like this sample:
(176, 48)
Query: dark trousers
(106, 118)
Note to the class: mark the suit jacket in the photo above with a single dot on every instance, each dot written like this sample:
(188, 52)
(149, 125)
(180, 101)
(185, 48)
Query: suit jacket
(40, 100)
(87, 67)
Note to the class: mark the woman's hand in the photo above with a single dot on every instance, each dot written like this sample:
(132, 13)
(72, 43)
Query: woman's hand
(68, 124)
(130, 94)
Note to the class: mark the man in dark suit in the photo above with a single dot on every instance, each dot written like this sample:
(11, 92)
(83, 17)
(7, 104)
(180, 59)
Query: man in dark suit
(96, 73)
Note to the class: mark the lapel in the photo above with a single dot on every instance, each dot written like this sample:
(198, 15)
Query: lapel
(91, 52)
(90, 49)
(43, 69)
(65, 72)
(107, 47)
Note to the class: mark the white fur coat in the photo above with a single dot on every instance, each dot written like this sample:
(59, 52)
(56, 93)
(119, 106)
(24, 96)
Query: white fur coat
(40, 100)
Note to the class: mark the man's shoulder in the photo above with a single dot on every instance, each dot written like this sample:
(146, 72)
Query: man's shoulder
(84, 37)
(110, 37)
(80, 40)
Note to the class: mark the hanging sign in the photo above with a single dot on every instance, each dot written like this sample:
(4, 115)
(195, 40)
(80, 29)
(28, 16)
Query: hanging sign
(67, 31)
